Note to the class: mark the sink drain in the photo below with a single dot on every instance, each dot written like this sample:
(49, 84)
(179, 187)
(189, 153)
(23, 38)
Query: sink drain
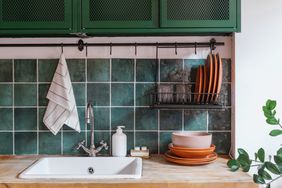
(91, 170)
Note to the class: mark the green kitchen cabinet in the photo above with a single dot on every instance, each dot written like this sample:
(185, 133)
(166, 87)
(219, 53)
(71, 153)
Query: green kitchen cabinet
(199, 13)
(36, 16)
(117, 14)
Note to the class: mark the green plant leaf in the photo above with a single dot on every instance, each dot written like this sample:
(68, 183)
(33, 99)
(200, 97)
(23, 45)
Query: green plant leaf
(258, 179)
(268, 186)
(243, 152)
(246, 168)
(271, 104)
(272, 121)
(279, 152)
(275, 132)
(261, 154)
(264, 174)
(272, 168)
(256, 156)
(233, 164)
(245, 162)
(278, 161)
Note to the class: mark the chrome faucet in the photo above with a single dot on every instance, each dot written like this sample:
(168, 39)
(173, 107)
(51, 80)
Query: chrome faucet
(92, 151)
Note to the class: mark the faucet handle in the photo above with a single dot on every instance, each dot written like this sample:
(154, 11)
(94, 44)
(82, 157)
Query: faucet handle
(80, 144)
(104, 144)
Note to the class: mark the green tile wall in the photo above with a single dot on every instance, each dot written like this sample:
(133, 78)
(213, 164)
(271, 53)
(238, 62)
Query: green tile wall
(118, 88)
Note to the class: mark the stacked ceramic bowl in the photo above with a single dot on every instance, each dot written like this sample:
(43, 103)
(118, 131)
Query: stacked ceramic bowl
(191, 149)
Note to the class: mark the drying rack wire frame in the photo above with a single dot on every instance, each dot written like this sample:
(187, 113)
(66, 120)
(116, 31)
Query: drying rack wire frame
(175, 100)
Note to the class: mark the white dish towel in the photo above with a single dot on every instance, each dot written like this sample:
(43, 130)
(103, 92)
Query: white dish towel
(61, 107)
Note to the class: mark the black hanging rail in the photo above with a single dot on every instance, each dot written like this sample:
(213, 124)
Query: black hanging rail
(81, 44)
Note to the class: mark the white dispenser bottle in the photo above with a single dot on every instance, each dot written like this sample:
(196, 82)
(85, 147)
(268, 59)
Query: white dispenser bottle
(119, 143)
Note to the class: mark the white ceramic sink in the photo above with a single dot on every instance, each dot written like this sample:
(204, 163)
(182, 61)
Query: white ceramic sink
(84, 168)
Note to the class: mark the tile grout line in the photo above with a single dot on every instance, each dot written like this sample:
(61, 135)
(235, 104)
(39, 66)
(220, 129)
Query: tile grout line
(155, 131)
(13, 107)
(159, 79)
(110, 107)
(37, 107)
(134, 101)
(85, 95)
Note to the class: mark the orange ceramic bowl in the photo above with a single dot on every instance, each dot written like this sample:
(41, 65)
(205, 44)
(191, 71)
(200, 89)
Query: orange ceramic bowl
(191, 152)
(192, 140)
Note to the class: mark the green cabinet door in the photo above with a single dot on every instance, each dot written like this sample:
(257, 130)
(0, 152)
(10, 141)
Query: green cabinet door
(119, 14)
(199, 13)
(32, 16)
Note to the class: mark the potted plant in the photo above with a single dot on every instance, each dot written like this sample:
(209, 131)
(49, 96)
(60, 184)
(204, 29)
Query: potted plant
(268, 170)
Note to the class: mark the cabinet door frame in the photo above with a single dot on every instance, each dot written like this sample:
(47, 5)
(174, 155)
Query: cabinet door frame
(87, 24)
(231, 23)
(67, 24)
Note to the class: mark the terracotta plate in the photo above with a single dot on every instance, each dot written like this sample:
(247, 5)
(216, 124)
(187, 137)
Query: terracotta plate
(209, 69)
(219, 78)
(215, 78)
(212, 148)
(199, 84)
(190, 162)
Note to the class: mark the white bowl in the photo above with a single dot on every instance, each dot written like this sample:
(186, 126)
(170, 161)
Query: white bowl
(192, 139)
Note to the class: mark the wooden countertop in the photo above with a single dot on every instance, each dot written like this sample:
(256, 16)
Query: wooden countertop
(157, 173)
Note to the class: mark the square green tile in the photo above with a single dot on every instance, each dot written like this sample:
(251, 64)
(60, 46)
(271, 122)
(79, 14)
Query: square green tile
(146, 70)
(76, 69)
(98, 94)
(122, 94)
(220, 120)
(25, 119)
(122, 70)
(81, 116)
(25, 95)
(195, 120)
(46, 69)
(226, 70)
(49, 144)
(146, 119)
(171, 119)
(43, 90)
(225, 96)
(171, 70)
(190, 67)
(149, 139)
(98, 137)
(6, 119)
(102, 119)
(122, 116)
(130, 140)
(6, 94)
(222, 141)
(6, 70)
(25, 70)
(143, 94)
(79, 94)
(70, 141)
(165, 139)
(98, 70)
(6, 140)
(42, 126)
(25, 143)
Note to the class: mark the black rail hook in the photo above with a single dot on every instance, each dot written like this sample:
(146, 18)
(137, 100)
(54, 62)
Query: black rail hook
(86, 49)
(212, 44)
(157, 50)
(62, 48)
(175, 48)
(196, 48)
(135, 49)
(111, 45)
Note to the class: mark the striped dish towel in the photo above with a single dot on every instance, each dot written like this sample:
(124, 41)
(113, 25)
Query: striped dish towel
(61, 108)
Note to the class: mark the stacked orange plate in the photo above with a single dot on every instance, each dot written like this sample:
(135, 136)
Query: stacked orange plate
(190, 156)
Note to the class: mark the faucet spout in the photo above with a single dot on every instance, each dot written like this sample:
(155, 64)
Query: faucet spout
(89, 119)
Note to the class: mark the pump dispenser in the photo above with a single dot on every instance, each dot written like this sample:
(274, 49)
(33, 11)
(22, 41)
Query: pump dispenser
(119, 143)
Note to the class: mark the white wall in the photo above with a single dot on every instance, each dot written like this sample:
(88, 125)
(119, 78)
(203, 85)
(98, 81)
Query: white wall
(258, 56)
